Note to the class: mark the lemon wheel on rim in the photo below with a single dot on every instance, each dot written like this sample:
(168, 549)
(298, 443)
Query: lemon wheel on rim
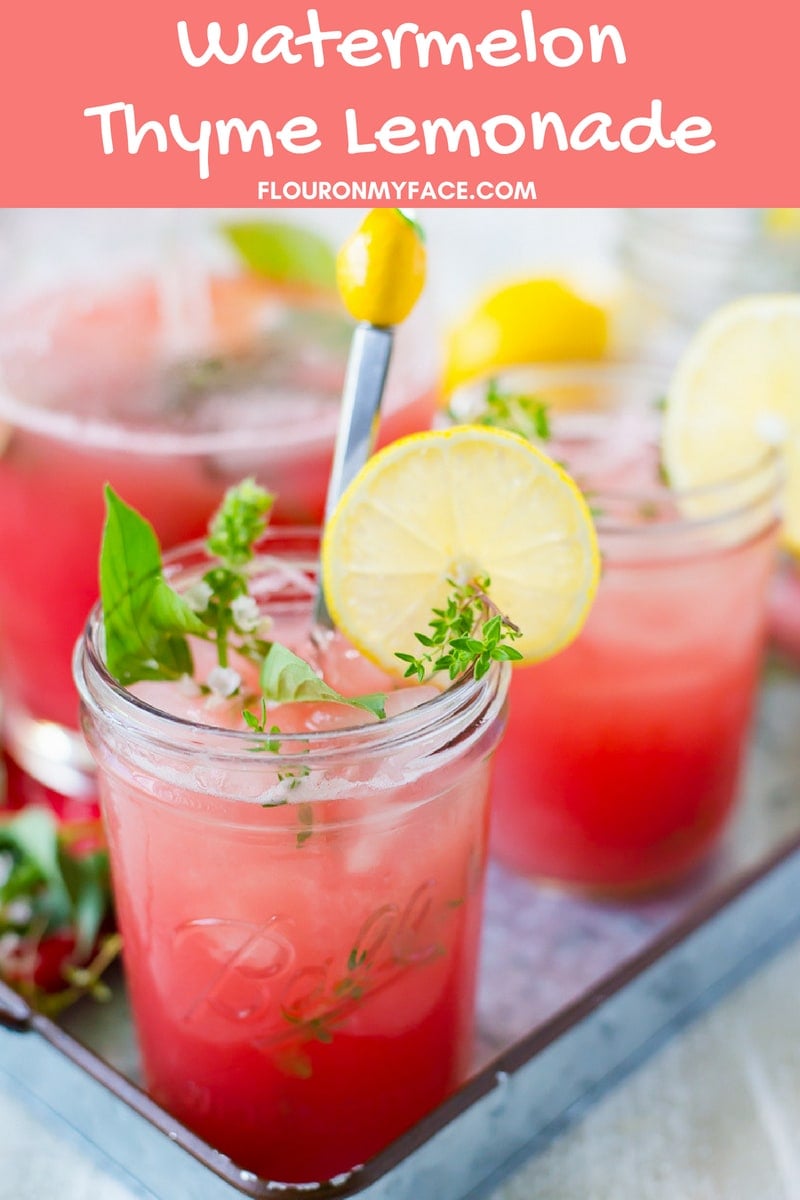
(735, 392)
(459, 504)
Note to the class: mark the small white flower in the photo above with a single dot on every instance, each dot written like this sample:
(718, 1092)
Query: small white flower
(198, 596)
(264, 627)
(18, 912)
(224, 681)
(244, 611)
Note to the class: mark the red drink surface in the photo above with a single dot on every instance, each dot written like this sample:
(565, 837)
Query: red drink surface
(167, 440)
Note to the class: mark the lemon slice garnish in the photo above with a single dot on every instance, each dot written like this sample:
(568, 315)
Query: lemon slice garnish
(459, 504)
(735, 392)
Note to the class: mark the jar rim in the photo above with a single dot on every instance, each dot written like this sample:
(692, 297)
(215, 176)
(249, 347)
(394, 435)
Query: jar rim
(758, 484)
(116, 437)
(719, 238)
(112, 435)
(447, 715)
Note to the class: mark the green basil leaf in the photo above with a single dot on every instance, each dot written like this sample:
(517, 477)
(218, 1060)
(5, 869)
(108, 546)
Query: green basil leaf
(374, 702)
(287, 679)
(32, 839)
(145, 621)
(284, 253)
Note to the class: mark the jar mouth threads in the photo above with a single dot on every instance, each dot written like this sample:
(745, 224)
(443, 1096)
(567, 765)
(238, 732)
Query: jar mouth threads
(441, 727)
(683, 263)
(605, 423)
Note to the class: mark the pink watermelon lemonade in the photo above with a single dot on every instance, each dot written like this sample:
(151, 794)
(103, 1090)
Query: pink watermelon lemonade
(300, 911)
(784, 610)
(100, 386)
(623, 754)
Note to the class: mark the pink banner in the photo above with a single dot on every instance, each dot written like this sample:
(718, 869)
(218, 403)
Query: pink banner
(574, 102)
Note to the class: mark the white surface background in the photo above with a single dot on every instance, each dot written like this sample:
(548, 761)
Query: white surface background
(468, 250)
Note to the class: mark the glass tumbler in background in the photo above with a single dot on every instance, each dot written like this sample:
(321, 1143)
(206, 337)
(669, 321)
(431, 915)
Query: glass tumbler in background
(623, 754)
(301, 927)
(170, 379)
(680, 264)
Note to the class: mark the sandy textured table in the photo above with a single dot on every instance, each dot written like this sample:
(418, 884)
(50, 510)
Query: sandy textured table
(712, 1116)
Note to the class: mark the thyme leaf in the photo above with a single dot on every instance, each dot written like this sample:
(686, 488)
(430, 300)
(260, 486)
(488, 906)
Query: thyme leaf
(469, 633)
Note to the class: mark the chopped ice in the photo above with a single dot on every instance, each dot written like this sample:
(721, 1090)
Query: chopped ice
(324, 717)
(407, 698)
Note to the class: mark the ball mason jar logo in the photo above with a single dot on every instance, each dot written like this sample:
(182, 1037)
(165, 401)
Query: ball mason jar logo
(253, 975)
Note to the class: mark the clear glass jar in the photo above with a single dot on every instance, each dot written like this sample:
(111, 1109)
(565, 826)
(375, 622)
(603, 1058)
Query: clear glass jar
(680, 264)
(622, 759)
(300, 924)
(157, 364)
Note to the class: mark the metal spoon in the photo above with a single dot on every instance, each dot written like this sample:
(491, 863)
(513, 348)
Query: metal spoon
(365, 379)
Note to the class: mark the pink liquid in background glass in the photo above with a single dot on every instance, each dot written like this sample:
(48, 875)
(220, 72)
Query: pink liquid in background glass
(622, 754)
(104, 361)
(784, 610)
(302, 977)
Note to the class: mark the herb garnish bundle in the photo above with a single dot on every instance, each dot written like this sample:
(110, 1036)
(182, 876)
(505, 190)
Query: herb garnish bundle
(148, 624)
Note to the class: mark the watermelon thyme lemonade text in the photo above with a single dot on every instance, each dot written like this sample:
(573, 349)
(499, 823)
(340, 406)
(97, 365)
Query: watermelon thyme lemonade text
(122, 126)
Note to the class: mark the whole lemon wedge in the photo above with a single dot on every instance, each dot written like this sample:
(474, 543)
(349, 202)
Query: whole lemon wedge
(782, 222)
(533, 321)
(380, 269)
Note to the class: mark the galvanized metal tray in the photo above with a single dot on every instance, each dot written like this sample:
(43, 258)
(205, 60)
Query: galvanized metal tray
(572, 994)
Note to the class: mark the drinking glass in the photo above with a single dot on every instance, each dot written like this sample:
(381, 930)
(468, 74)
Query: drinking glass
(170, 383)
(300, 920)
(623, 754)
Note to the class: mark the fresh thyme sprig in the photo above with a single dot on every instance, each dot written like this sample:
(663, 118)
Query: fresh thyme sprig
(468, 633)
(516, 412)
